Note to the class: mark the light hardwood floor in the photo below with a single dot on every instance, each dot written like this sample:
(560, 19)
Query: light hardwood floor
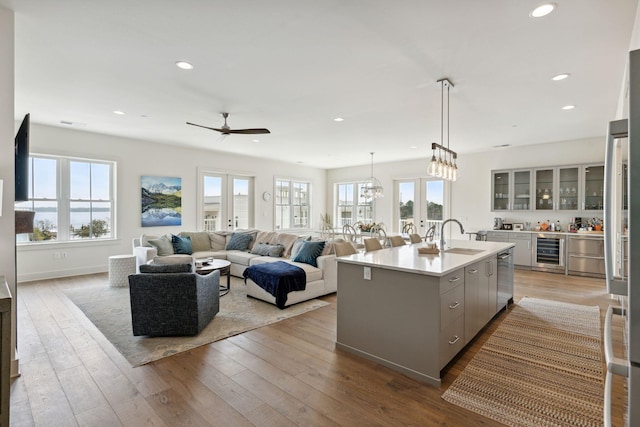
(284, 374)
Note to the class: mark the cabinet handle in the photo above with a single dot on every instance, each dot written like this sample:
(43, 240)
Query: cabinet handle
(455, 340)
(454, 279)
(473, 271)
(454, 305)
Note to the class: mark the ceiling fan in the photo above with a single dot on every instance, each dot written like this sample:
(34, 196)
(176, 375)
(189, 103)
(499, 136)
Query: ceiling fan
(226, 130)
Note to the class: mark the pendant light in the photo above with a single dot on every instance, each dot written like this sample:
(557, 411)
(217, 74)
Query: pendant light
(372, 188)
(447, 169)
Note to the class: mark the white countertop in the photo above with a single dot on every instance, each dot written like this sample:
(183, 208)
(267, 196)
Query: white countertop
(406, 258)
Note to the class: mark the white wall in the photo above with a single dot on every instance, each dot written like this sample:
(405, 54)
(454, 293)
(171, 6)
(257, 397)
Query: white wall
(134, 159)
(7, 220)
(470, 194)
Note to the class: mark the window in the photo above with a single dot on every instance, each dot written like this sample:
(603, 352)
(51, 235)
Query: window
(351, 207)
(72, 199)
(292, 204)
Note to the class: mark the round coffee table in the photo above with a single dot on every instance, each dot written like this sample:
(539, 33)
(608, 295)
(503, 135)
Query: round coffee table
(207, 266)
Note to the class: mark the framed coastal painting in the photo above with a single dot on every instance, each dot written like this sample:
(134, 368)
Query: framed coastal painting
(161, 201)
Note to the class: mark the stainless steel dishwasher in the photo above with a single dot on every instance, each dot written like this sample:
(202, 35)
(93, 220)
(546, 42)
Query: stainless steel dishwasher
(505, 278)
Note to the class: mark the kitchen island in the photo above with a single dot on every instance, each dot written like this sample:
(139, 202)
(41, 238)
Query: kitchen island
(413, 313)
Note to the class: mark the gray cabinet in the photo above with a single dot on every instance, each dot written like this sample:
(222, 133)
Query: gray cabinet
(480, 295)
(522, 250)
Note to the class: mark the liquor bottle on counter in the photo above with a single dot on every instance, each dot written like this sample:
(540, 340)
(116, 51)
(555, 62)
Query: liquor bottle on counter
(552, 226)
(558, 228)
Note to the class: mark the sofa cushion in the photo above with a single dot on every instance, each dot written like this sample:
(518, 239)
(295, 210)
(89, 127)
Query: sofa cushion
(165, 268)
(239, 242)
(163, 245)
(218, 240)
(313, 273)
(181, 245)
(172, 259)
(210, 254)
(240, 257)
(268, 237)
(309, 252)
(199, 240)
(265, 249)
(286, 240)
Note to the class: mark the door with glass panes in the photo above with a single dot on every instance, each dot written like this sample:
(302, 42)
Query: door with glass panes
(226, 202)
(420, 202)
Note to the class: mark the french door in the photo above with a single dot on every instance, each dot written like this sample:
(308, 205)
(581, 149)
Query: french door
(226, 201)
(420, 201)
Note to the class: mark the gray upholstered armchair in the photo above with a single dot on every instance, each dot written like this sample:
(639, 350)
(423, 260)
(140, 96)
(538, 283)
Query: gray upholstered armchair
(169, 300)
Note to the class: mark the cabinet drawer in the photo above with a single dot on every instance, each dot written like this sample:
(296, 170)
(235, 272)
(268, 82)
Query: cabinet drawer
(451, 306)
(451, 280)
(451, 341)
(586, 246)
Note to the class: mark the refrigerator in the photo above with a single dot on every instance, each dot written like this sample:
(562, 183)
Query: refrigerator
(621, 218)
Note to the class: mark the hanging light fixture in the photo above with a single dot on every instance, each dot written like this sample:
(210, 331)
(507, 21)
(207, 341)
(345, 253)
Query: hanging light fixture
(372, 188)
(447, 169)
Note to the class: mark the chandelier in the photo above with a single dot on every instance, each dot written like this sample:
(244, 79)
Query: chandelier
(445, 165)
(372, 188)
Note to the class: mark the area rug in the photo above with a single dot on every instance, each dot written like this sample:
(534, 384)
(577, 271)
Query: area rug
(541, 367)
(109, 310)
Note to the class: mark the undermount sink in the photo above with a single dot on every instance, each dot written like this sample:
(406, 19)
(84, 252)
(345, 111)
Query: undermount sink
(463, 251)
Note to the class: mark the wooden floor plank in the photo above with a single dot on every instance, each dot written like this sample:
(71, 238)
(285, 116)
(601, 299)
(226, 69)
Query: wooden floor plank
(287, 373)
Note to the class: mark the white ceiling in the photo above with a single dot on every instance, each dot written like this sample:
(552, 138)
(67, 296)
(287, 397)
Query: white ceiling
(294, 65)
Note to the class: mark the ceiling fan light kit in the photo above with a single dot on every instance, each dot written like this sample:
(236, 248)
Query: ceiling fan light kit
(447, 168)
(226, 130)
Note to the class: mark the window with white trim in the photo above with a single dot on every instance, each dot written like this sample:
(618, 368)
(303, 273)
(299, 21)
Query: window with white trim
(73, 199)
(351, 206)
(292, 204)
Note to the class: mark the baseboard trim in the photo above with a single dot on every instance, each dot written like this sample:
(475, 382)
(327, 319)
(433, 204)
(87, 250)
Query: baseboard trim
(55, 274)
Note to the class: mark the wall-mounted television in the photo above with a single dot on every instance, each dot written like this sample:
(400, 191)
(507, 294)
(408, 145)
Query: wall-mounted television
(22, 161)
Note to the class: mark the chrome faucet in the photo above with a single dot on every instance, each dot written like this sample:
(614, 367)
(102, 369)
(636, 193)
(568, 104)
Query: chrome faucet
(442, 241)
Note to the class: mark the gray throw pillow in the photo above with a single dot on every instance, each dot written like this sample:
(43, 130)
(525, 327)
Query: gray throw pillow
(165, 268)
(163, 245)
(265, 249)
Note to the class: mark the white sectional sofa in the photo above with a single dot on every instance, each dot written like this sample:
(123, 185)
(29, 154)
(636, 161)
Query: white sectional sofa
(320, 280)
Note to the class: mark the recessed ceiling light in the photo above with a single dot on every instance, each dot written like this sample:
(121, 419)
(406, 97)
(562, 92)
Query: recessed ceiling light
(542, 10)
(255, 140)
(184, 65)
(118, 112)
(338, 119)
(560, 77)
(568, 107)
(413, 147)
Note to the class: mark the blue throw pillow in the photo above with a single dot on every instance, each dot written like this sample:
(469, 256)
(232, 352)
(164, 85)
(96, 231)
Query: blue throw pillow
(181, 245)
(309, 252)
(239, 242)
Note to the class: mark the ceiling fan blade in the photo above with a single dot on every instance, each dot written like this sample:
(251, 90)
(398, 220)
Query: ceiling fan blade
(249, 131)
(206, 127)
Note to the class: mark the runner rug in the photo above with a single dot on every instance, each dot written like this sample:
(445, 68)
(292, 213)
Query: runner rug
(541, 367)
(110, 311)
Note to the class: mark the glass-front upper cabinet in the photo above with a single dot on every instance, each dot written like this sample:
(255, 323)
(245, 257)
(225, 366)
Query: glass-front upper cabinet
(522, 200)
(593, 188)
(500, 191)
(544, 183)
(568, 188)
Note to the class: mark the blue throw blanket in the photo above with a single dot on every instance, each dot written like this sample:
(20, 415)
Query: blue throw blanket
(278, 278)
